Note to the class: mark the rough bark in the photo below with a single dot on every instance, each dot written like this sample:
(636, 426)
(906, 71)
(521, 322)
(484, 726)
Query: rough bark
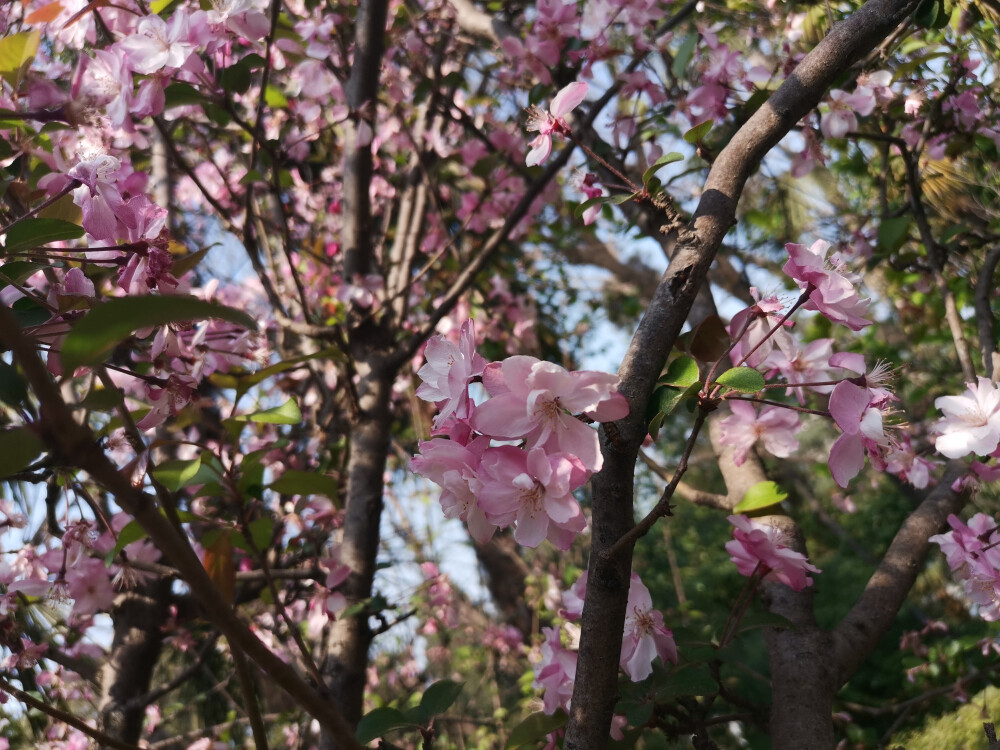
(596, 685)
(139, 615)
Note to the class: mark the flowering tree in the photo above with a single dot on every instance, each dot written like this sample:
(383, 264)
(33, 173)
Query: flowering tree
(268, 264)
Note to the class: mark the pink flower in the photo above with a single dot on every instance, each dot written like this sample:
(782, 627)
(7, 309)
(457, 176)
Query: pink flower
(775, 426)
(971, 422)
(537, 400)
(555, 672)
(531, 488)
(759, 547)
(89, 584)
(830, 291)
(841, 118)
(448, 371)
(645, 636)
(158, 44)
(750, 329)
(902, 461)
(454, 467)
(973, 555)
(547, 123)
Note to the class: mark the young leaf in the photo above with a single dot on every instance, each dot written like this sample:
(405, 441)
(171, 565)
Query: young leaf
(287, 413)
(698, 132)
(681, 372)
(742, 379)
(379, 722)
(37, 232)
(892, 233)
(19, 446)
(661, 162)
(535, 728)
(760, 495)
(177, 474)
(295, 482)
(438, 697)
(95, 336)
(683, 56)
(131, 532)
(15, 51)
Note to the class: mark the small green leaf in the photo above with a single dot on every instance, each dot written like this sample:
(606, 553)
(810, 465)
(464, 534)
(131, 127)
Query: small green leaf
(13, 390)
(892, 233)
(19, 447)
(294, 482)
(742, 379)
(661, 162)
(665, 401)
(177, 474)
(927, 13)
(262, 532)
(695, 679)
(760, 495)
(697, 134)
(236, 78)
(187, 262)
(439, 696)
(274, 98)
(682, 372)
(684, 55)
(379, 722)
(579, 210)
(287, 413)
(17, 272)
(621, 198)
(16, 51)
(181, 94)
(131, 532)
(94, 337)
(32, 233)
(536, 728)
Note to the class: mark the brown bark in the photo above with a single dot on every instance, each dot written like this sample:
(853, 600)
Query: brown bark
(138, 616)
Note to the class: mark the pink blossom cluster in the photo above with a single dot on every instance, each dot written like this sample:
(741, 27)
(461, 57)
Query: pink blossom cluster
(545, 452)
(643, 640)
(973, 554)
(759, 549)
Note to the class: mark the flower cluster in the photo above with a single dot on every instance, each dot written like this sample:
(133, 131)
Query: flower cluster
(758, 549)
(537, 405)
(643, 640)
(973, 554)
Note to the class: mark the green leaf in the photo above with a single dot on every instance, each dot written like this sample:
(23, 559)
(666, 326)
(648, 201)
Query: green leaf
(535, 728)
(274, 98)
(379, 722)
(927, 13)
(439, 696)
(287, 413)
(30, 313)
(181, 94)
(892, 233)
(760, 495)
(13, 389)
(698, 132)
(32, 233)
(94, 337)
(617, 200)
(661, 162)
(19, 447)
(187, 262)
(684, 55)
(294, 482)
(262, 532)
(579, 210)
(759, 618)
(177, 474)
(690, 680)
(131, 532)
(17, 51)
(742, 379)
(665, 401)
(236, 78)
(16, 272)
(682, 372)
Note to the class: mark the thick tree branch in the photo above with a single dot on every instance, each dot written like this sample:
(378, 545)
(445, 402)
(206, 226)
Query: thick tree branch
(856, 636)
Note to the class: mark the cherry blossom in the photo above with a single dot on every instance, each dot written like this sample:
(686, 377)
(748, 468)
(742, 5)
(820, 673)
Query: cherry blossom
(759, 548)
(555, 672)
(844, 108)
(971, 422)
(774, 426)
(536, 400)
(448, 371)
(547, 123)
(830, 290)
(752, 330)
(973, 554)
(645, 636)
(532, 488)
